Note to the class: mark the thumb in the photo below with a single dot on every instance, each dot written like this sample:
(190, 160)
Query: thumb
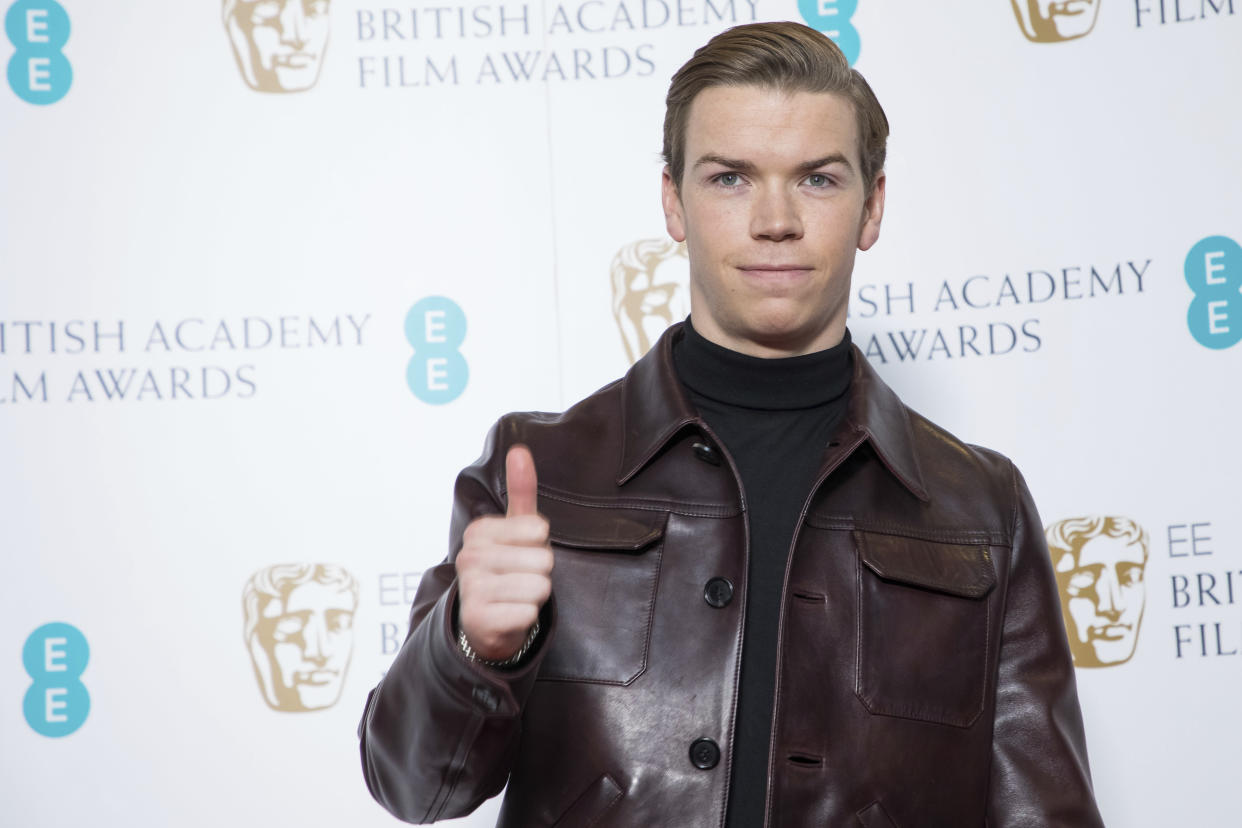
(521, 481)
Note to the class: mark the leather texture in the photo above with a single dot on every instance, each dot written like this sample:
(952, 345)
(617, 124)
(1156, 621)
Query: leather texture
(922, 657)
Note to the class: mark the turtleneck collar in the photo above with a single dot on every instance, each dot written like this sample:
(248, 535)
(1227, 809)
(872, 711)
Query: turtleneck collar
(779, 384)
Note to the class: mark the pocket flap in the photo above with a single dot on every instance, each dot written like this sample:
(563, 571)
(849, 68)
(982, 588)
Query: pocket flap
(607, 529)
(955, 569)
(874, 816)
(599, 796)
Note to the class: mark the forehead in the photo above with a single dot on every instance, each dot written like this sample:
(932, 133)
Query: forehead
(755, 122)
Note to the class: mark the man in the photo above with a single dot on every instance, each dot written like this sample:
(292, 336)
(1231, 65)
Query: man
(1099, 564)
(299, 632)
(745, 586)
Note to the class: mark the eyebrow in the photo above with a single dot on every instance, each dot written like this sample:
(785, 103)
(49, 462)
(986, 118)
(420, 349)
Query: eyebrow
(748, 167)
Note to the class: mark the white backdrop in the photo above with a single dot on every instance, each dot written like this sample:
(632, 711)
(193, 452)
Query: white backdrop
(245, 200)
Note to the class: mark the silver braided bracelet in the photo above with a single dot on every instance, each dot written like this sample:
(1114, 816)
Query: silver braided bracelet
(511, 661)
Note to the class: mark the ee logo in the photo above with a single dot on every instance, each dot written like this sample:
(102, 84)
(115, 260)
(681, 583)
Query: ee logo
(832, 17)
(437, 372)
(57, 702)
(1214, 273)
(38, 72)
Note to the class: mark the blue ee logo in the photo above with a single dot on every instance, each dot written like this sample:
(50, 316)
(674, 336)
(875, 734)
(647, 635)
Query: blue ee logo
(1214, 273)
(832, 17)
(57, 702)
(38, 72)
(437, 372)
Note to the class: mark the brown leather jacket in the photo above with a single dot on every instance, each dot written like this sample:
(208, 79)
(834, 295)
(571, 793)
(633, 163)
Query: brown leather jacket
(924, 677)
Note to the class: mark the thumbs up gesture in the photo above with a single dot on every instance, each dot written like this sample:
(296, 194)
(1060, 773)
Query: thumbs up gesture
(504, 568)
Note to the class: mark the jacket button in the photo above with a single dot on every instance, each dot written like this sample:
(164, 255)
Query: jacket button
(704, 754)
(718, 592)
(706, 453)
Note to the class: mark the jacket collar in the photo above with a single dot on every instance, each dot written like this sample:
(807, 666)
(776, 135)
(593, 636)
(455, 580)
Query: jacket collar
(876, 411)
(654, 406)
(655, 409)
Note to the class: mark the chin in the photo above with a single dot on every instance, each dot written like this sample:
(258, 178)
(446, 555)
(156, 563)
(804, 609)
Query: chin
(784, 327)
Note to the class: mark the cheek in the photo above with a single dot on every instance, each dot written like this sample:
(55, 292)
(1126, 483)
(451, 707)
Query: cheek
(719, 218)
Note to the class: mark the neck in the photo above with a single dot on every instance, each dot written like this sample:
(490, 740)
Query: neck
(722, 374)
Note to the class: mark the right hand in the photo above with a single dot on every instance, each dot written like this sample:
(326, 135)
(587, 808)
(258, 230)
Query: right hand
(504, 568)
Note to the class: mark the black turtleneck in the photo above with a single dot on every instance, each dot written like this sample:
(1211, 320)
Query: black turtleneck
(774, 417)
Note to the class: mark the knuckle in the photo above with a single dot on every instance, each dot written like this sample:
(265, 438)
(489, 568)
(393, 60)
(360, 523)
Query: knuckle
(471, 533)
(469, 560)
(530, 526)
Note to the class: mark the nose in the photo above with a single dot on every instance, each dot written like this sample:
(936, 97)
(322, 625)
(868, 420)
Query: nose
(1108, 589)
(293, 24)
(775, 215)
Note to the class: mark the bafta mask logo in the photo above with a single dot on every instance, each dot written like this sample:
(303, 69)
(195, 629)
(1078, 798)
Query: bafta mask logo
(278, 44)
(299, 632)
(650, 291)
(1099, 564)
(1051, 21)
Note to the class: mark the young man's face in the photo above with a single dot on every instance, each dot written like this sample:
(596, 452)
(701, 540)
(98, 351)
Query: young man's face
(772, 206)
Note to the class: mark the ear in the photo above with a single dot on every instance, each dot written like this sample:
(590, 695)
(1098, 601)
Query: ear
(873, 212)
(674, 215)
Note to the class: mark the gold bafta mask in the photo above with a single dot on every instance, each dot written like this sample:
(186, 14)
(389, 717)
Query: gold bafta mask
(1049, 21)
(1099, 564)
(278, 44)
(299, 633)
(650, 291)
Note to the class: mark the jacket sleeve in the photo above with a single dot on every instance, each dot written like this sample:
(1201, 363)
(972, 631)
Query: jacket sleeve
(439, 732)
(1040, 776)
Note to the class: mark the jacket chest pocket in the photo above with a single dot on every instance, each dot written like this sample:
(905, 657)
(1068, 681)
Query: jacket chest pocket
(926, 628)
(604, 580)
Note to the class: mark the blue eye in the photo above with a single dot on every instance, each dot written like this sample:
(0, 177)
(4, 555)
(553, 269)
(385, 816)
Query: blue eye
(818, 180)
(729, 179)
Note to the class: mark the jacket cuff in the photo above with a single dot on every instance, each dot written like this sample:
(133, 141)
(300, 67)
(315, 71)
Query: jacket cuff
(493, 691)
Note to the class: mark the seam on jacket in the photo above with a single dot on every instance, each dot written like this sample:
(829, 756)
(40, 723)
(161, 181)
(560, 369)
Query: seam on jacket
(593, 542)
(1003, 610)
(641, 504)
(457, 766)
(1015, 516)
(608, 805)
(967, 536)
(939, 584)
